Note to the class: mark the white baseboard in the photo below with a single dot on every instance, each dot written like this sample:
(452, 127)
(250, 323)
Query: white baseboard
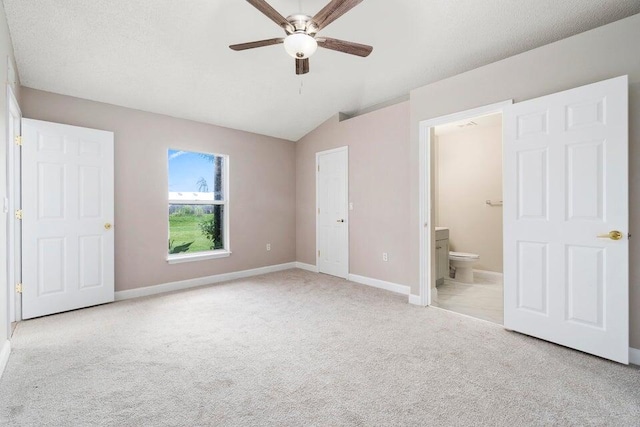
(634, 356)
(415, 300)
(308, 267)
(4, 356)
(376, 283)
(380, 284)
(491, 276)
(200, 281)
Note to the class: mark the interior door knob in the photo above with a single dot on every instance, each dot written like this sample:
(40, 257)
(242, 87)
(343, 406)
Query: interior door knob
(107, 226)
(613, 235)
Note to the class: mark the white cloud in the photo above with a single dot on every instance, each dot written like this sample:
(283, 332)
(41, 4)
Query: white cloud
(177, 154)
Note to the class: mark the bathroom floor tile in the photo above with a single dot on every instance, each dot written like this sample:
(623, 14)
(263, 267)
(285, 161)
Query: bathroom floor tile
(482, 299)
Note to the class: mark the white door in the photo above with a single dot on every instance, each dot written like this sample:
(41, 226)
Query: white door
(67, 204)
(565, 190)
(332, 225)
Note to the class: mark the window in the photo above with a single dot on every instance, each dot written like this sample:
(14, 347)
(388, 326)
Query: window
(198, 206)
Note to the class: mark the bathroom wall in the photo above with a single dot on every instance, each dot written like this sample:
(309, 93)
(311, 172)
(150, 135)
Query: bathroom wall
(469, 171)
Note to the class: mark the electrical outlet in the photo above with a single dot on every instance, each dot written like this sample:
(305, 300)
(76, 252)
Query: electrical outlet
(385, 256)
(268, 246)
(350, 206)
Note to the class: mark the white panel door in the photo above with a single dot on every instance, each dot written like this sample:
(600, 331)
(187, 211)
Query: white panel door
(67, 203)
(332, 226)
(565, 190)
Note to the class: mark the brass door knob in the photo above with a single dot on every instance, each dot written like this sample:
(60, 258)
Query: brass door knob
(107, 226)
(613, 235)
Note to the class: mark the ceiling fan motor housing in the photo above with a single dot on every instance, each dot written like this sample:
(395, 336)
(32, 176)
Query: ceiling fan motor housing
(300, 23)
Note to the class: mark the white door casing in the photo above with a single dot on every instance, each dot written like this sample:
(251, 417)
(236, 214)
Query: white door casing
(426, 200)
(565, 184)
(68, 212)
(14, 118)
(332, 229)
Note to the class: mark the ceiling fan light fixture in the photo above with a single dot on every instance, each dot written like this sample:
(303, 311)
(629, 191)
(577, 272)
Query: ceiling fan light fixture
(300, 45)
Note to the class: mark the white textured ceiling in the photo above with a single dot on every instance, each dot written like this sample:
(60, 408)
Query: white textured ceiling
(171, 56)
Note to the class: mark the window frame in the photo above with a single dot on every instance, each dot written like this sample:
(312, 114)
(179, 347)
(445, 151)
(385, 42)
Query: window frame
(211, 254)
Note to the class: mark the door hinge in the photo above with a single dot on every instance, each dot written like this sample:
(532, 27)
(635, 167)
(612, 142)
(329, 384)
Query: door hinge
(318, 168)
(18, 140)
(19, 288)
(318, 211)
(19, 214)
(318, 254)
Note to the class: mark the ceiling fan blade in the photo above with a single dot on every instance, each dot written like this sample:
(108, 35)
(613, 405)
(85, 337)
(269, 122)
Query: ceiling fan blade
(334, 10)
(271, 13)
(260, 43)
(302, 66)
(344, 46)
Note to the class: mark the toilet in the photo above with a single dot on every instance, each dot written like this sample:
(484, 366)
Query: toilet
(463, 262)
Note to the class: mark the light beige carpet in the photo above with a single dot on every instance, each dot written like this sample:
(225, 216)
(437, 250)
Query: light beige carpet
(296, 349)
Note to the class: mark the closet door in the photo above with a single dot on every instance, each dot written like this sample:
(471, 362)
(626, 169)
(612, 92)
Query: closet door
(332, 227)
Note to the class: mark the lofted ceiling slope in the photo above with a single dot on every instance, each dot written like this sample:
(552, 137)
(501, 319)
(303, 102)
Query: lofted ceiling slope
(172, 57)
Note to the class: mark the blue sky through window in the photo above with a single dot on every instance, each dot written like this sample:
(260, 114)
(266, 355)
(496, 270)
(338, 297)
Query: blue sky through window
(187, 170)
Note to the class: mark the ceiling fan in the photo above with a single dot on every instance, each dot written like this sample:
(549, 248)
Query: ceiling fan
(301, 41)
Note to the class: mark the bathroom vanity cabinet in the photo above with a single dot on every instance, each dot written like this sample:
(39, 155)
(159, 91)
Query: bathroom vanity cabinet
(442, 254)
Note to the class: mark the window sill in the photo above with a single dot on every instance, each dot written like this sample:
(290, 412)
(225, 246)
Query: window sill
(176, 259)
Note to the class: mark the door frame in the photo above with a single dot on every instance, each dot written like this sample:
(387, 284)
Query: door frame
(14, 260)
(318, 154)
(426, 202)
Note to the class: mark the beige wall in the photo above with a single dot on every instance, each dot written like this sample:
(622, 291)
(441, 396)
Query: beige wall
(602, 53)
(378, 189)
(262, 187)
(6, 51)
(469, 169)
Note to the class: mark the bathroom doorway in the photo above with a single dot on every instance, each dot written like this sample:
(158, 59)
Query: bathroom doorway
(467, 205)
(461, 197)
